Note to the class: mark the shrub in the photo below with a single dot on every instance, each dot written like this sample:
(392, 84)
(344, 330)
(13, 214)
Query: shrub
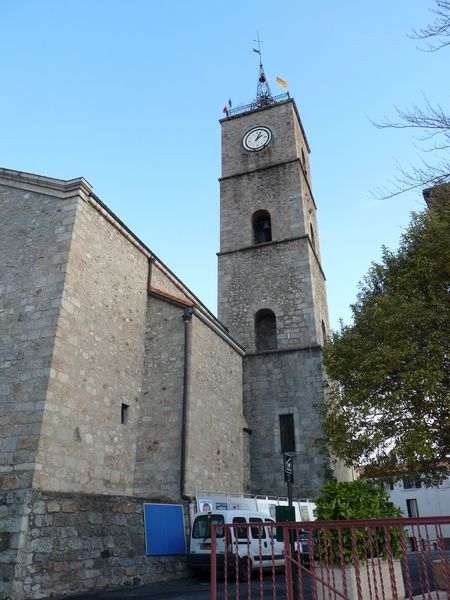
(349, 500)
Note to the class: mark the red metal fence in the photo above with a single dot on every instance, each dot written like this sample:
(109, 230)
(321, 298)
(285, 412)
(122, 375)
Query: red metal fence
(389, 559)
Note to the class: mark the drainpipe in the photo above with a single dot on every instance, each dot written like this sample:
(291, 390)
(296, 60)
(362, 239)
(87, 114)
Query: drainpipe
(187, 318)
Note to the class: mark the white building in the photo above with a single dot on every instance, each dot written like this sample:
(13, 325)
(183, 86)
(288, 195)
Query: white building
(416, 500)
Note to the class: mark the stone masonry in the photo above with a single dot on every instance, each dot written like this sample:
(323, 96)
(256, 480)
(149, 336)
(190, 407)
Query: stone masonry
(77, 542)
(283, 275)
(117, 387)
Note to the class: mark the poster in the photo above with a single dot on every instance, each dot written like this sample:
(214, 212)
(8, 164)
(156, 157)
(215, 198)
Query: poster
(205, 505)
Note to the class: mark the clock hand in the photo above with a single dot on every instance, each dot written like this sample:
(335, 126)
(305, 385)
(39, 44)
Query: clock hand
(258, 136)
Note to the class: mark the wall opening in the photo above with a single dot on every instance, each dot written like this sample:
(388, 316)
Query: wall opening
(124, 414)
(287, 433)
(265, 330)
(412, 508)
(262, 227)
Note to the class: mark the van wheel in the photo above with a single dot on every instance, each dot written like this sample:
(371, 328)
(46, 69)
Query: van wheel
(245, 569)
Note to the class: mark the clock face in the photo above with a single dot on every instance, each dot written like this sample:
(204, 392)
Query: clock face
(256, 138)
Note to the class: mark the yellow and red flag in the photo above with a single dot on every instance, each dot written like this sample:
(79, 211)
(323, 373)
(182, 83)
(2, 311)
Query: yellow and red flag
(282, 82)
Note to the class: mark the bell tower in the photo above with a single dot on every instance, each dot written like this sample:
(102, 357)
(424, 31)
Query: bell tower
(272, 287)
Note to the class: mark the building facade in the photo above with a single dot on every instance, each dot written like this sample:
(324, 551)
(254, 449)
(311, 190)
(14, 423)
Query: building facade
(106, 395)
(119, 387)
(416, 500)
(272, 290)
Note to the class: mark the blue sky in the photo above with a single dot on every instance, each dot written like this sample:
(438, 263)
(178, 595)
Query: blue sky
(128, 94)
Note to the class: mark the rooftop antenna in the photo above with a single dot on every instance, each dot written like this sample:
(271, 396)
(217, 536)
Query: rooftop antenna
(263, 93)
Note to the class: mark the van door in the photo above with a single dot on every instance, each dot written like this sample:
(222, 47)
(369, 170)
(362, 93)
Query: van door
(239, 537)
(201, 539)
(260, 548)
(264, 545)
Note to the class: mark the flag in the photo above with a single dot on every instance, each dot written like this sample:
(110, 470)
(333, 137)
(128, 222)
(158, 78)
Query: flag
(225, 110)
(282, 82)
(255, 50)
(229, 103)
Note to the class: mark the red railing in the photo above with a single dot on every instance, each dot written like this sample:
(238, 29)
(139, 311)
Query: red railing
(389, 559)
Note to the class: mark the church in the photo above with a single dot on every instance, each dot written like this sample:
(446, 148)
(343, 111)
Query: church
(118, 387)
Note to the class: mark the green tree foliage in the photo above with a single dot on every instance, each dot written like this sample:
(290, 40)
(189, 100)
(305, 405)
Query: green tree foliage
(389, 406)
(352, 500)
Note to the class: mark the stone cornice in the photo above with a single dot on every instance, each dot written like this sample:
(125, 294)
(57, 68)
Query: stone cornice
(256, 247)
(310, 348)
(58, 188)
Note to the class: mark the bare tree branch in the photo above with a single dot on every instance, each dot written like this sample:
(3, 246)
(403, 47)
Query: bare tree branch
(432, 121)
(439, 29)
(413, 178)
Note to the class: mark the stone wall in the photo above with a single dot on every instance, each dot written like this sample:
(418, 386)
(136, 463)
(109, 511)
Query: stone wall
(280, 279)
(34, 245)
(282, 275)
(286, 145)
(214, 428)
(160, 281)
(76, 542)
(92, 394)
(215, 417)
(320, 298)
(158, 457)
(284, 383)
(276, 190)
(97, 365)
(33, 253)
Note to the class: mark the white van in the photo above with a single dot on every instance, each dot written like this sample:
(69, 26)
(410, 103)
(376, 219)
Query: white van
(258, 542)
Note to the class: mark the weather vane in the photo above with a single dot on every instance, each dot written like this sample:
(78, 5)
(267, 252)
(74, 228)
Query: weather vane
(263, 94)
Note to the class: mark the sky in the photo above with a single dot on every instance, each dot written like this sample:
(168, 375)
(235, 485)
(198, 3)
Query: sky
(129, 93)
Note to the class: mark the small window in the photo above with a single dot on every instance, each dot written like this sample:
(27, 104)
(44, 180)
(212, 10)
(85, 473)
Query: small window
(287, 433)
(412, 508)
(262, 227)
(409, 484)
(202, 526)
(271, 531)
(124, 414)
(257, 532)
(324, 332)
(241, 532)
(303, 159)
(265, 330)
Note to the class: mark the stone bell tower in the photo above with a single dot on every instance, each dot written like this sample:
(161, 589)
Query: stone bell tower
(272, 287)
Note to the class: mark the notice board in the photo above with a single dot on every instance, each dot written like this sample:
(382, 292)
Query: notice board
(165, 533)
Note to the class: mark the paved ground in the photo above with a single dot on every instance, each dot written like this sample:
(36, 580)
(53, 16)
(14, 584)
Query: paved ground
(184, 589)
(194, 589)
(199, 589)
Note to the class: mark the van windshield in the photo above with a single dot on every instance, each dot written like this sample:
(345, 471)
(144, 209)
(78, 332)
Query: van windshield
(202, 526)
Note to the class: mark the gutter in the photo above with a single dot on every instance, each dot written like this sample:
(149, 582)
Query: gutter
(187, 318)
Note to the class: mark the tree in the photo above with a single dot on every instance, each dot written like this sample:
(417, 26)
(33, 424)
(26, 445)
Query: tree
(439, 30)
(433, 122)
(388, 372)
